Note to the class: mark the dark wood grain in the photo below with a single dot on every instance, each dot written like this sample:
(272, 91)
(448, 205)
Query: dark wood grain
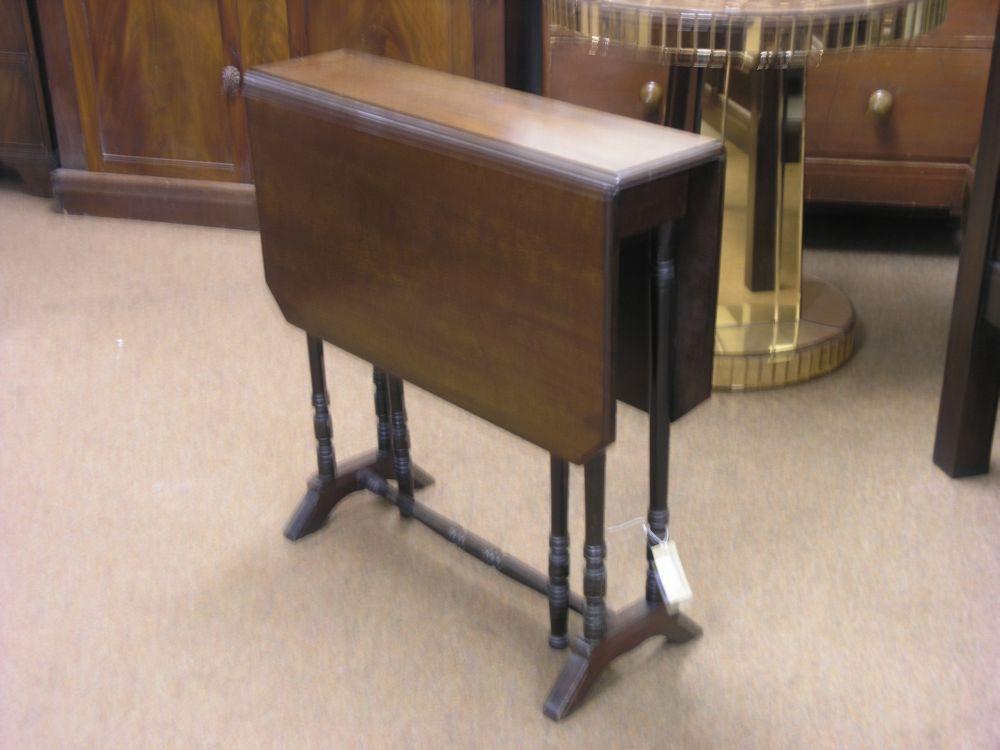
(25, 142)
(62, 89)
(971, 390)
(438, 325)
(149, 104)
(465, 37)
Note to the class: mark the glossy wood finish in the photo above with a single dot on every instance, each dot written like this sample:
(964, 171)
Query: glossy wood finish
(464, 37)
(582, 147)
(137, 91)
(147, 106)
(136, 87)
(25, 142)
(971, 390)
(474, 140)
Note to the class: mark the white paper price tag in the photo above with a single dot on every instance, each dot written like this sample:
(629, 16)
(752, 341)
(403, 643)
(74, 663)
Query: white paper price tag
(670, 574)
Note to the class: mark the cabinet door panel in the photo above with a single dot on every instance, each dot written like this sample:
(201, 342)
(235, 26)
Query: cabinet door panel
(19, 117)
(149, 77)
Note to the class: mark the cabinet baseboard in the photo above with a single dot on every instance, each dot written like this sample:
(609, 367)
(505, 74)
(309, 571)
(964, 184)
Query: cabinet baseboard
(215, 204)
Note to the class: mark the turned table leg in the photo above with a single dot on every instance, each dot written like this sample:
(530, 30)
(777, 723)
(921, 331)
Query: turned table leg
(601, 642)
(381, 381)
(319, 498)
(559, 554)
(332, 483)
(400, 444)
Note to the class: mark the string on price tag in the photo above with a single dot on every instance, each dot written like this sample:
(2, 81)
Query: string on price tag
(670, 576)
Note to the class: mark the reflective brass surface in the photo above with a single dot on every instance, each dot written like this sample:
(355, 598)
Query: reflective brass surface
(769, 355)
(772, 329)
(751, 33)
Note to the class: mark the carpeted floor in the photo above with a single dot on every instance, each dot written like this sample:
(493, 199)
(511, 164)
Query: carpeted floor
(155, 433)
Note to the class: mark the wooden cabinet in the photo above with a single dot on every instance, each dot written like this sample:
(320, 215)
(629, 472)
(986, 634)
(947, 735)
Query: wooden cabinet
(914, 149)
(465, 37)
(139, 99)
(146, 93)
(25, 143)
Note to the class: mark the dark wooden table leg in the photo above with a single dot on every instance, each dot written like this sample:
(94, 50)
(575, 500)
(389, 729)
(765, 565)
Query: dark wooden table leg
(595, 574)
(332, 483)
(384, 464)
(320, 496)
(591, 654)
(400, 444)
(559, 554)
(660, 294)
(970, 394)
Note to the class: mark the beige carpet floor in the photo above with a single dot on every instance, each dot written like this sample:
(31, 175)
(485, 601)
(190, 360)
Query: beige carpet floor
(155, 433)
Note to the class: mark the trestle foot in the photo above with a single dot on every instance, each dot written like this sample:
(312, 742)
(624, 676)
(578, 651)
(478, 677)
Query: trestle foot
(626, 630)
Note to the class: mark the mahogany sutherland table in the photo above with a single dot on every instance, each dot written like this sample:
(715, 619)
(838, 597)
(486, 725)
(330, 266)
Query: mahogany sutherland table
(465, 237)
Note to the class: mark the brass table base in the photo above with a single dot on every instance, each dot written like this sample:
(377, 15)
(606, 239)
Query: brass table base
(762, 355)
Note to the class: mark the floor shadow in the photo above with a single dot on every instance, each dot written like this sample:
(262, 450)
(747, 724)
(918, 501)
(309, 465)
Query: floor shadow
(899, 231)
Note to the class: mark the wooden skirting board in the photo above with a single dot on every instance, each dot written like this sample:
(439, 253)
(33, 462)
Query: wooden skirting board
(209, 203)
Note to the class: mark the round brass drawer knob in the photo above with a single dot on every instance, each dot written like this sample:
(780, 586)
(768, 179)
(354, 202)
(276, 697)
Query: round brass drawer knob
(880, 103)
(651, 95)
(231, 80)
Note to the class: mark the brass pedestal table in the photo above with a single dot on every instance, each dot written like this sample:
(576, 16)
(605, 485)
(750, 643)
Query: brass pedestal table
(738, 71)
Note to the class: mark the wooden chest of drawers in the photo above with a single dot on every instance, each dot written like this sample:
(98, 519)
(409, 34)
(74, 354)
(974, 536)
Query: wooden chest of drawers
(899, 126)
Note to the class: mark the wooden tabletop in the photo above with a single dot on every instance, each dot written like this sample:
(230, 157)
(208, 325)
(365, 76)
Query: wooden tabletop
(596, 148)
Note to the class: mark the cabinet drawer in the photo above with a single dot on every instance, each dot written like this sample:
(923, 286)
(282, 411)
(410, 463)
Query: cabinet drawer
(934, 113)
(611, 79)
